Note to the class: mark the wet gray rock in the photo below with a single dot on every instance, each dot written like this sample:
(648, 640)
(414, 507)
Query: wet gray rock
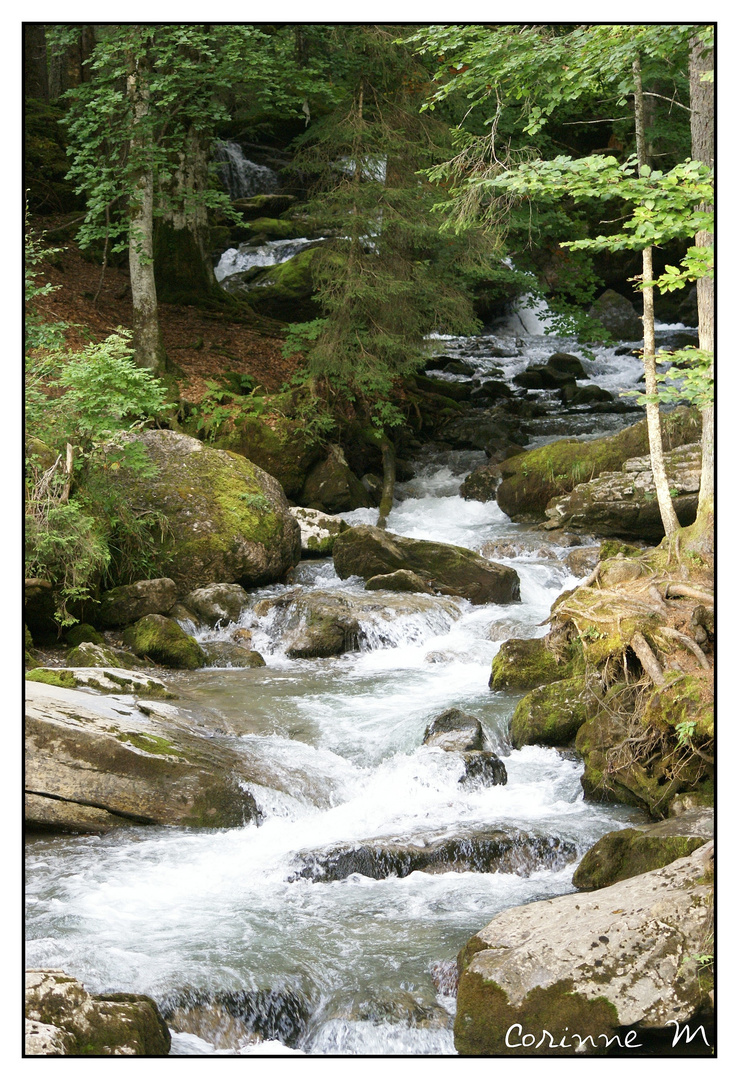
(318, 530)
(455, 730)
(511, 852)
(218, 603)
(617, 315)
(229, 654)
(399, 581)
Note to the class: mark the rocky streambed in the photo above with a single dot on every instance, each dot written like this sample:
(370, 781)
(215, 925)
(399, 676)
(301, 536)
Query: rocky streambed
(370, 844)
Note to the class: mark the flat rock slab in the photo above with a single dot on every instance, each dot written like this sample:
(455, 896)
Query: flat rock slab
(624, 956)
(95, 762)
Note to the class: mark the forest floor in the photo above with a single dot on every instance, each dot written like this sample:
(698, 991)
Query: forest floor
(200, 343)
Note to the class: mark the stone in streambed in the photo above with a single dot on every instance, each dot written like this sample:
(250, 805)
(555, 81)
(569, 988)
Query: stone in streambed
(229, 654)
(165, 642)
(628, 852)
(398, 581)
(455, 730)
(63, 1019)
(525, 663)
(318, 531)
(549, 715)
(218, 603)
(367, 552)
(127, 603)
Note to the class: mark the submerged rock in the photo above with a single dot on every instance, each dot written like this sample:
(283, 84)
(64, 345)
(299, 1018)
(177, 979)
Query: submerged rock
(584, 967)
(510, 852)
(628, 852)
(229, 654)
(456, 571)
(94, 763)
(229, 1018)
(62, 1018)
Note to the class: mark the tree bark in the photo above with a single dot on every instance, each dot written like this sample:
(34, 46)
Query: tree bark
(702, 149)
(654, 425)
(388, 481)
(147, 338)
(35, 69)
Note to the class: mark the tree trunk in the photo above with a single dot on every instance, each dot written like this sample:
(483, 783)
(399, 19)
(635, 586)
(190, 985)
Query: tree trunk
(182, 258)
(654, 425)
(35, 70)
(701, 131)
(147, 338)
(388, 481)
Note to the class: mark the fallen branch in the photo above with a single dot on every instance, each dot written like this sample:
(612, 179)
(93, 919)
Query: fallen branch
(647, 659)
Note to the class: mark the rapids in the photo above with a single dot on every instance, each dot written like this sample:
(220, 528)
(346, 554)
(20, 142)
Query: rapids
(354, 966)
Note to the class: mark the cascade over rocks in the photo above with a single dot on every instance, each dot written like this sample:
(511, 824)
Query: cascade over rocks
(366, 551)
(227, 520)
(63, 1019)
(589, 964)
(624, 503)
(458, 732)
(94, 763)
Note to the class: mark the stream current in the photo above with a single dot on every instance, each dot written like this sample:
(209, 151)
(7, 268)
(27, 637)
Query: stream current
(223, 921)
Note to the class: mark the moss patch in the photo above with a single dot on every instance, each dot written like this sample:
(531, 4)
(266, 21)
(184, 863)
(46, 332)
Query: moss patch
(53, 678)
(485, 1016)
(628, 852)
(522, 664)
(549, 715)
(165, 642)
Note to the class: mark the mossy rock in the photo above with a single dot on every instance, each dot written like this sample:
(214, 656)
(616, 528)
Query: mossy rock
(52, 677)
(227, 519)
(628, 852)
(686, 702)
(165, 642)
(332, 487)
(275, 228)
(549, 715)
(83, 632)
(533, 478)
(88, 654)
(522, 664)
(285, 291)
(281, 448)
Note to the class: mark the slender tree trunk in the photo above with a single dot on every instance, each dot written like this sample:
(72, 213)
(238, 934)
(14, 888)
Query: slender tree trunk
(654, 425)
(388, 481)
(147, 338)
(701, 131)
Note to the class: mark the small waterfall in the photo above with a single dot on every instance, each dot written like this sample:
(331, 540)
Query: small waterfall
(242, 177)
(248, 256)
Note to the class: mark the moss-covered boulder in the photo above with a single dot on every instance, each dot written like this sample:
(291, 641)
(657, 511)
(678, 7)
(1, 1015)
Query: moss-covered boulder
(285, 291)
(283, 448)
(83, 633)
(550, 715)
(627, 852)
(318, 531)
(63, 1019)
(87, 654)
(366, 551)
(228, 654)
(111, 678)
(532, 479)
(524, 663)
(226, 519)
(561, 976)
(95, 763)
(127, 603)
(165, 642)
(332, 487)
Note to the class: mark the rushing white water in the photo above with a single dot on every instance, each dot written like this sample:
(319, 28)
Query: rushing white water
(243, 178)
(189, 916)
(249, 256)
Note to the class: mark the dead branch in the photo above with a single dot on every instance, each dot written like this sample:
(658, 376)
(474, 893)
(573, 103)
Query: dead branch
(677, 588)
(669, 632)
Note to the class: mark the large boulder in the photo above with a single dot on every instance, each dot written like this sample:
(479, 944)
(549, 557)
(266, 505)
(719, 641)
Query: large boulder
(524, 663)
(628, 852)
(63, 1019)
(127, 603)
(617, 315)
(94, 763)
(564, 975)
(624, 503)
(530, 480)
(366, 551)
(227, 520)
(283, 447)
(219, 603)
(283, 291)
